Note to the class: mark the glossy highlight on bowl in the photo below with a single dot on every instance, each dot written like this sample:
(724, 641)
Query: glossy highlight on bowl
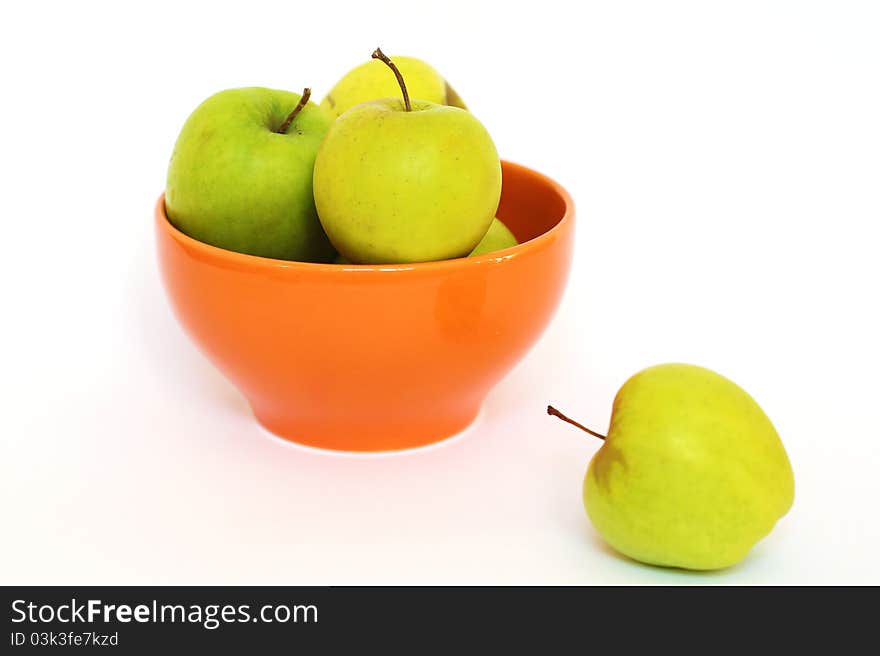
(374, 357)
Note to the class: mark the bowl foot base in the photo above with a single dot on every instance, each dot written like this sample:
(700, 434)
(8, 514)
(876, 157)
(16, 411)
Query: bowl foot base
(352, 437)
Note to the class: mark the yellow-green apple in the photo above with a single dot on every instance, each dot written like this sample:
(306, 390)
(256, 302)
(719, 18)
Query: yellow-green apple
(370, 81)
(691, 474)
(241, 173)
(402, 181)
(497, 238)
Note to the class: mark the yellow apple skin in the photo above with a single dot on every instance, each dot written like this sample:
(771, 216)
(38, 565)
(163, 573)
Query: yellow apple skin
(452, 97)
(372, 80)
(497, 238)
(393, 186)
(692, 473)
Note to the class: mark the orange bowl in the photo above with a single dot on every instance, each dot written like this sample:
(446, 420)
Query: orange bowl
(369, 357)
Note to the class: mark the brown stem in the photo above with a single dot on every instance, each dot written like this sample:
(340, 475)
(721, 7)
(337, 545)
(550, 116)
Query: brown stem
(553, 411)
(296, 110)
(381, 56)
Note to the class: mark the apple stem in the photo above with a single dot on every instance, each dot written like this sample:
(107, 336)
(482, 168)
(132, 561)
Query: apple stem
(553, 411)
(296, 110)
(381, 56)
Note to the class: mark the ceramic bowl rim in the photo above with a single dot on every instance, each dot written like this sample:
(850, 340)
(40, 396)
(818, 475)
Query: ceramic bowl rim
(259, 262)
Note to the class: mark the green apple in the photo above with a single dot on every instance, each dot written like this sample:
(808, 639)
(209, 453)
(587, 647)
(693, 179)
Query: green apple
(497, 238)
(370, 81)
(406, 181)
(240, 176)
(692, 473)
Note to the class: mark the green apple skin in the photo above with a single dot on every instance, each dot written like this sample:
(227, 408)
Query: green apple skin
(692, 473)
(497, 238)
(393, 186)
(235, 183)
(372, 80)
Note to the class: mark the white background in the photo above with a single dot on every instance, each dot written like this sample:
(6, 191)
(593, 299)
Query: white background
(725, 162)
